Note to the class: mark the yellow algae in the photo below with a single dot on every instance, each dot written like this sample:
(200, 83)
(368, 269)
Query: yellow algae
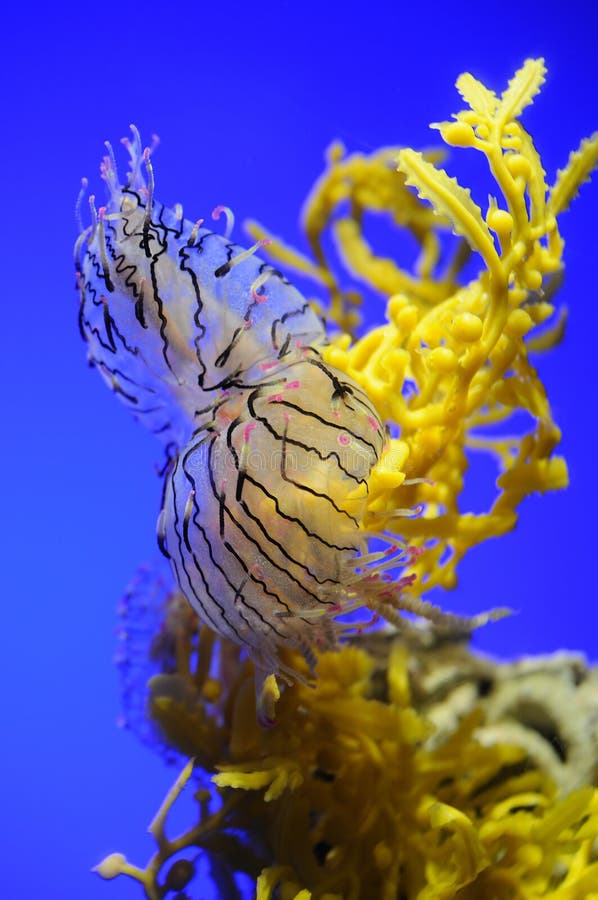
(355, 793)
(451, 366)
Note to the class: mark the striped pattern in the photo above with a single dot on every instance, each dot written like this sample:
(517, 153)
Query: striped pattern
(262, 508)
(271, 448)
(169, 319)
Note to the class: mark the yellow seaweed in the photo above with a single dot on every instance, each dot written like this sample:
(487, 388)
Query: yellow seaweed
(350, 796)
(451, 369)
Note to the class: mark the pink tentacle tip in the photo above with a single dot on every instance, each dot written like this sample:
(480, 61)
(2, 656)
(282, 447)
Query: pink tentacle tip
(195, 232)
(258, 298)
(292, 385)
(218, 210)
(247, 431)
(406, 581)
(275, 398)
(230, 218)
(373, 423)
(101, 213)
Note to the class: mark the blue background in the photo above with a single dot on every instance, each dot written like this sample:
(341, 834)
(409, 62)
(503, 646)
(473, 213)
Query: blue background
(245, 98)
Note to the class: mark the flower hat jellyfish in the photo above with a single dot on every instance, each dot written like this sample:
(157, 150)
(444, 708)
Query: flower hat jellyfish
(271, 447)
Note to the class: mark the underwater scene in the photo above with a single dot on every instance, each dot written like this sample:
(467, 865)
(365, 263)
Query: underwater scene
(305, 609)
